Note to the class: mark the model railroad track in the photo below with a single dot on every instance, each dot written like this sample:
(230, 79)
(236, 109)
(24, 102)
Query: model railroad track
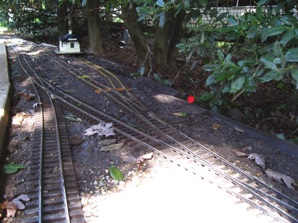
(53, 193)
(175, 146)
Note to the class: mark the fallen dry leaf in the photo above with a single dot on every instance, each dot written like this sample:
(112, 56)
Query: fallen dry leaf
(239, 130)
(239, 153)
(77, 140)
(128, 158)
(10, 207)
(180, 114)
(258, 174)
(18, 119)
(102, 129)
(216, 126)
(27, 96)
(111, 147)
(280, 177)
(36, 104)
(18, 203)
(106, 142)
(142, 158)
(259, 159)
(14, 205)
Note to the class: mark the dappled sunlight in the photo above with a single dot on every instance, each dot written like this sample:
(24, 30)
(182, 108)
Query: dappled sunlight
(170, 194)
(19, 42)
(12, 40)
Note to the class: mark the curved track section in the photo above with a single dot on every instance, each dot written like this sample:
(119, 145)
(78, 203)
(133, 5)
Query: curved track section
(168, 142)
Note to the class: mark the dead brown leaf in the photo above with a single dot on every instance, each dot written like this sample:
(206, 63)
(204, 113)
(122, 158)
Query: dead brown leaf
(11, 208)
(259, 159)
(76, 140)
(239, 130)
(128, 158)
(180, 114)
(111, 147)
(282, 178)
(258, 174)
(18, 119)
(26, 96)
(216, 126)
(239, 153)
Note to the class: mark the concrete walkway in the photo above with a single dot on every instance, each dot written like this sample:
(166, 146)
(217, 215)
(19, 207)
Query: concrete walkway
(5, 97)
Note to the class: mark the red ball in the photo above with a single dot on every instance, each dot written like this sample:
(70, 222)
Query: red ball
(190, 99)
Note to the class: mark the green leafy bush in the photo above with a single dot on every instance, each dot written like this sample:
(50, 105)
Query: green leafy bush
(241, 53)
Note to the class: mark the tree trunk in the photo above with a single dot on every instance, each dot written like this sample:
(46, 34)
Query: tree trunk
(166, 38)
(62, 21)
(95, 36)
(130, 17)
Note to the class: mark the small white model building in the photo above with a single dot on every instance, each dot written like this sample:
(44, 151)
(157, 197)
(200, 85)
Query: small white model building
(69, 44)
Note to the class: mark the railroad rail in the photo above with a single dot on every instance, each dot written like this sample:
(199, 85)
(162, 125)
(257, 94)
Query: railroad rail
(165, 140)
(170, 143)
(53, 194)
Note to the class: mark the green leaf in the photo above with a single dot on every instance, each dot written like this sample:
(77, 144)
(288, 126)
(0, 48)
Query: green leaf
(12, 168)
(190, 55)
(275, 30)
(142, 13)
(259, 13)
(135, 74)
(252, 31)
(237, 84)
(289, 35)
(142, 70)
(294, 74)
(221, 17)
(210, 80)
(289, 20)
(157, 77)
(220, 55)
(160, 3)
(272, 31)
(269, 76)
(269, 64)
(222, 77)
(292, 55)
(167, 82)
(116, 173)
(262, 2)
(258, 72)
(161, 19)
(277, 50)
(211, 67)
(203, 2)
(206, 96)
(186, 3)
(281, 136)
(232, 20)
(228, 59)
(202, 40)
(213, 13)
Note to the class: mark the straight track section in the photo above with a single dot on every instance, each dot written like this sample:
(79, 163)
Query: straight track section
(54, 194)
